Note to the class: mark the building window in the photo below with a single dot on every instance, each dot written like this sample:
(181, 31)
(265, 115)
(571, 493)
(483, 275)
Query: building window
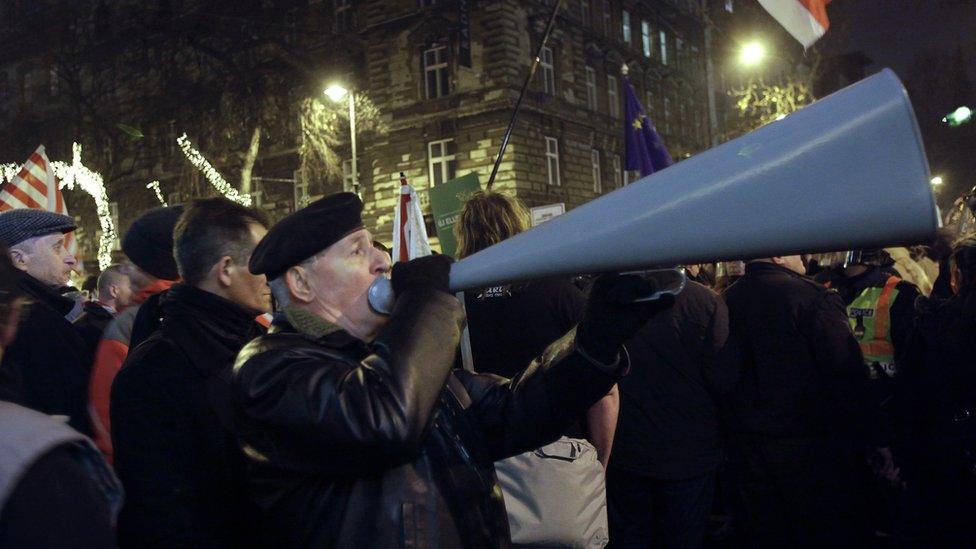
(440, 161)
(646, 38)
(585, 11)
(55, 84)
(344, 15)
(595, 170)
(113, 212)
(618, 172)
(625, 25)
(663, 37)
(548, 72)
(607, 17)
(436, 72)
(348, 183)
(552, 161)
(648, 98)
(174, 199)
(613, 99)
(667, 116)
(591, 88)
(728, 6)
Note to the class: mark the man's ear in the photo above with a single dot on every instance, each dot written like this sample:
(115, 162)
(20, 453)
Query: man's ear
(223, 267)
(19, 258)
(296, 278)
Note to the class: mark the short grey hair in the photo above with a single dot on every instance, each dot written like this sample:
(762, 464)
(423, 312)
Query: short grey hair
(279, 289)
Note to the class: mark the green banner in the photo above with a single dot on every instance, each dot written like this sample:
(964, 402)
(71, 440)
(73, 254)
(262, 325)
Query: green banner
(446, 201)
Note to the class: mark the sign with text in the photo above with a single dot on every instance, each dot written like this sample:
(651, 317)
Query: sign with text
(446, 201)
(541, 214)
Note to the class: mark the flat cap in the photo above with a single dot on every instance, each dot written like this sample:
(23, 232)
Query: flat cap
(149, 242)
(306, 233)
(18, 225)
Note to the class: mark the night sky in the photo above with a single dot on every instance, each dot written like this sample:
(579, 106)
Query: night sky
(896, 34)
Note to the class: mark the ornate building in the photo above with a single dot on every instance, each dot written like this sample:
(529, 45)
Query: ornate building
(441, 79)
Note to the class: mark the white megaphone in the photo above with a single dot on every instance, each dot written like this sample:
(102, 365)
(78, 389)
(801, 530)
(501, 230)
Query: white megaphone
(848, 171)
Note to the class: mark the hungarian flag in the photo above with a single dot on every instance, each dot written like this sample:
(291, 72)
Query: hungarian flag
(806, 20)
(35, 186)
(409, 232)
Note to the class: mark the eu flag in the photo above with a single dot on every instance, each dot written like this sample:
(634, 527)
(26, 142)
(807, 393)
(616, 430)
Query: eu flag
(644, 149)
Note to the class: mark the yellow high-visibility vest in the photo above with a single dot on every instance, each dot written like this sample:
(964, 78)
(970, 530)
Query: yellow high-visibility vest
(870, 318)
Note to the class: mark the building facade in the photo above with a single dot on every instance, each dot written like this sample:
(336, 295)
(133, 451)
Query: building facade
(441, 79)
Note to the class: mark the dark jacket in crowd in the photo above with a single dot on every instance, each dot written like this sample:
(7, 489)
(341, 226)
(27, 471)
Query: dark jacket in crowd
(171, 428)
(803, 373)
(511, 325)
(48, 365)
(937, 405)
(669, 417)
(381, 444)
(92, 322)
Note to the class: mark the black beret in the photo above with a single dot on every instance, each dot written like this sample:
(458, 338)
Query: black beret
(306, 233)
(149, 242)
(18, 225)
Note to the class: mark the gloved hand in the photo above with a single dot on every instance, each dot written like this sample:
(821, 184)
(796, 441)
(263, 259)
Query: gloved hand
(611, 316)
(431, 271)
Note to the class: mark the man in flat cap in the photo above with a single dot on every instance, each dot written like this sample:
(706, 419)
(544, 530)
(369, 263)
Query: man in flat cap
(358, 432)
(47, 367)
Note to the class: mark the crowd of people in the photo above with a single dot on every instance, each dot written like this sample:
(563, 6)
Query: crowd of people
(229, 385)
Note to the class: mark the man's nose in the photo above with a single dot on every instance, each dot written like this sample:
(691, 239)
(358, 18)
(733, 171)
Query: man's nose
(381, 262)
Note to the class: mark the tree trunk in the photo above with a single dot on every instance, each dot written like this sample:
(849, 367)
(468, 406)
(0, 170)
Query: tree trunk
(252, 156)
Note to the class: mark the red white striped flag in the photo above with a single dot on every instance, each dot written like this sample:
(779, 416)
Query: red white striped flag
(806, 20)
(35, 186)
(409, 232)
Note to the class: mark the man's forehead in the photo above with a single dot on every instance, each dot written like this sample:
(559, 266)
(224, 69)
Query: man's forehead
(45, 239)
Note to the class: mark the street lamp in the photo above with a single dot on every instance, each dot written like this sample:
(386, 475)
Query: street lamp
(752, 53)
(337, 93)
(959, 116)
(937, 180)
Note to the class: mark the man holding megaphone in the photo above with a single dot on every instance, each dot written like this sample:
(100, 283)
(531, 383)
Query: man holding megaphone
(358, 432)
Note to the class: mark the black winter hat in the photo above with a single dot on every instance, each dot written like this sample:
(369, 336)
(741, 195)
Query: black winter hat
(149, 242)
(20, 224)
(307, 232)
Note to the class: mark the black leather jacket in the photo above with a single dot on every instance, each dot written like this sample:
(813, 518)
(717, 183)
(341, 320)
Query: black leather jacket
(381, 444)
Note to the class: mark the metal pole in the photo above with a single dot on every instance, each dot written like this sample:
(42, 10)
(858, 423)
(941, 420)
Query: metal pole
(710, 76)
(525, 86)
(352, 142)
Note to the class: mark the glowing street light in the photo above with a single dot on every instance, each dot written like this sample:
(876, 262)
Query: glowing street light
(959, 116)
(937, 180)
(337, 93)
(752, 54)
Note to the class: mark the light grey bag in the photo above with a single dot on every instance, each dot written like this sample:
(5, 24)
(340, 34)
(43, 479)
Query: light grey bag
(556, 496)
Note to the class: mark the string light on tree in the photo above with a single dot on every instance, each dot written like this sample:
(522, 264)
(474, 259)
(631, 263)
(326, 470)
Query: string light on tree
(92, 183)
(210, 173)
(154, 185)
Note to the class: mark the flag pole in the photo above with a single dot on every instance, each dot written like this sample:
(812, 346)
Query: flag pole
(525, 86)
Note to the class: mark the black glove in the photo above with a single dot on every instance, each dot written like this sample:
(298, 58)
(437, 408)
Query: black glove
(431, 271)
(611, 316)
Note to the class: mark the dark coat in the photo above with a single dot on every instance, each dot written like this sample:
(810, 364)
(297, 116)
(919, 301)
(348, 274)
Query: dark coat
(802, 373)
(47, 367)
(669, 404)
(381, 445)
(92, 322)
(512, 324)
(174, 451)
